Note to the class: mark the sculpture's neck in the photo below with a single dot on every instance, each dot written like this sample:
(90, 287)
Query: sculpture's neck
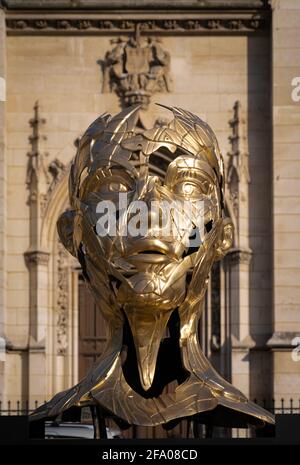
(149, 344)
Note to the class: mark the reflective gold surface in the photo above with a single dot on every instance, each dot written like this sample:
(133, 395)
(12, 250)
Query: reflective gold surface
(143, 280)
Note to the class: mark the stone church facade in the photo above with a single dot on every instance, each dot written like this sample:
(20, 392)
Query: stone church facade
(234, 64)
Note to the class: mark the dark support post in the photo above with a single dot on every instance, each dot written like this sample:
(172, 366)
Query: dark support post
(94, 418)
(101, 422)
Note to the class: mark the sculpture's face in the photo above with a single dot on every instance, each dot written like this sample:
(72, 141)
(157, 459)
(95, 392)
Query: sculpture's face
(161, 224)
(137, 252)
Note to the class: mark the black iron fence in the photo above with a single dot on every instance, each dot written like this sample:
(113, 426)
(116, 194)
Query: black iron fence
(18, 407)
(24, 408)
(283, 406)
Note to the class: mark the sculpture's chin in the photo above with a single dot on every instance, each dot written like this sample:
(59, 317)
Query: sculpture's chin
(149, 291)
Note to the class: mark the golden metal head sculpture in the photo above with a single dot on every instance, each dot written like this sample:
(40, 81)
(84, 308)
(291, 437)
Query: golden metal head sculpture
(151, 282)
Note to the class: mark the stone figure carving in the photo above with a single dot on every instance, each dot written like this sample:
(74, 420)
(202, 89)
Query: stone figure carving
(136, 68)
(62, 301)
(151, 284)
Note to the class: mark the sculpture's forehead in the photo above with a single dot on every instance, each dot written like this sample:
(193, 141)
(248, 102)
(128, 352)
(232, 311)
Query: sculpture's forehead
(133, 153)
(110, 142)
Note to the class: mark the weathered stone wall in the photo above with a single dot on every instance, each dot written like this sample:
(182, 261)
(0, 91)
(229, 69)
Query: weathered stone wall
(210, 73)
(286, 200)
(2, 201)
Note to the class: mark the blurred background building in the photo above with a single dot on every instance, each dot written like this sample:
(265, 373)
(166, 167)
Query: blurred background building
(234, 63)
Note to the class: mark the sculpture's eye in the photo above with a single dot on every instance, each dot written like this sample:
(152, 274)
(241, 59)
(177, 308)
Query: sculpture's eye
(117, 187)
(191, 188)
(113, 181)
(113, 186)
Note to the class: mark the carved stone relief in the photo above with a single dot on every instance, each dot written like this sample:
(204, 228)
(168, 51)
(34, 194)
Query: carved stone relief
(214, 23)
(238, 163)
(37, 176)
(62, 303)
(136, 68)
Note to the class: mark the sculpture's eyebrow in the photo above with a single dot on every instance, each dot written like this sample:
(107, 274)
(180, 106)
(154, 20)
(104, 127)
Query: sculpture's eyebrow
(190, 167)
(112, 169)
(116, 172)
(104, 174)
(115, 162)
(195, 173)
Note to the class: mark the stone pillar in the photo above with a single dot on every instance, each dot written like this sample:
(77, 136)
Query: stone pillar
(65, 321)
(2, 201)
(286, 195)
(238, 263)
(37, 263)
(238, 259)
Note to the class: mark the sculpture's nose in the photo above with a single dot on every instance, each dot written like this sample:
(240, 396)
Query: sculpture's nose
(149, 221)
(151, 191)
(144, 214)
(157, 206)
(152, 197)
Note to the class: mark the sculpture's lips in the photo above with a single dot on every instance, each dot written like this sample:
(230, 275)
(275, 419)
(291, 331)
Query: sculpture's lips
(149, 258)
(150, 251)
